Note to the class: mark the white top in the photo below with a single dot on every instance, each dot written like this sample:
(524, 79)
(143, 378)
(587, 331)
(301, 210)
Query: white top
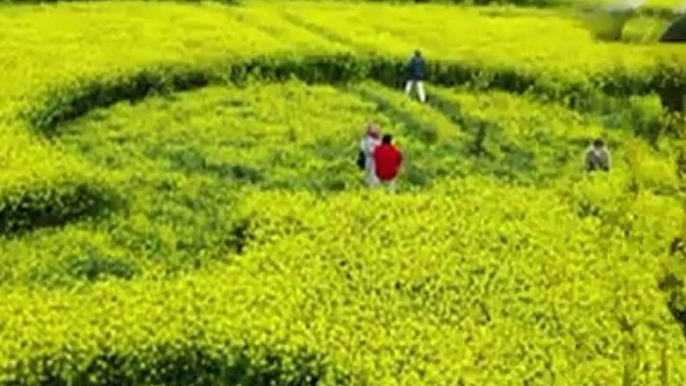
(368, 144)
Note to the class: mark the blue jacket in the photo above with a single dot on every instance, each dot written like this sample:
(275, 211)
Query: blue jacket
(416, 68)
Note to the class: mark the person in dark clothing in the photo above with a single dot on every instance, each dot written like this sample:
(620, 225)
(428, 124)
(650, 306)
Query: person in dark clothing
(598, 157)
(387, 159)
(416, 74)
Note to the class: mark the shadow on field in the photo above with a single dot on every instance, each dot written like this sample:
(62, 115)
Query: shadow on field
(174, 364)
(52, 207)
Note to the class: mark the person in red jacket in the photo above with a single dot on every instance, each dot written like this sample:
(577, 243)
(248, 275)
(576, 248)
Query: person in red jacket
(387, 160)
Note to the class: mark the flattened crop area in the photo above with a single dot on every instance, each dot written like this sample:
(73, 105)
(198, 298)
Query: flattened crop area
(180, 204)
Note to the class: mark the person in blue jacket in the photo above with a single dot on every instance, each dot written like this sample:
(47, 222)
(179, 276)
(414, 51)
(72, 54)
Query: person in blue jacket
(416, 73)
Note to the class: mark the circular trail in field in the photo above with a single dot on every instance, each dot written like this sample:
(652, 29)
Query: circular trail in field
(268, 135)
(181, 163)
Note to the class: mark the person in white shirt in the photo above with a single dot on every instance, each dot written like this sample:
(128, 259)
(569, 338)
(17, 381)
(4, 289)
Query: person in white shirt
(368, 143)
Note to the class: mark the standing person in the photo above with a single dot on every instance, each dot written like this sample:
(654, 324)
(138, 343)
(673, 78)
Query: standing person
(598, 157)
(416, 72)
(388, 159)
(367, 145)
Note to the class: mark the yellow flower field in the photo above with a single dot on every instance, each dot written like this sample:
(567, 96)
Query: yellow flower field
(180, 204)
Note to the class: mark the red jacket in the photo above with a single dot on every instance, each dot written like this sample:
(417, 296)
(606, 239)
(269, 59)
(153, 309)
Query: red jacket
(387, 160)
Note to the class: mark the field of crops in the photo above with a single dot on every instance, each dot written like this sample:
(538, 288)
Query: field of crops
(180, 204)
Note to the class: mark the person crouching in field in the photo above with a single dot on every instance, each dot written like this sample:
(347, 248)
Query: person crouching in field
(416, 72)
(598, 157)
(368, 144)
(387, 159)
